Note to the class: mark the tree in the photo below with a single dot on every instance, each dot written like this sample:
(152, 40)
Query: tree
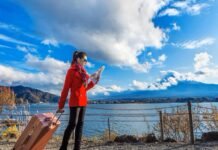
(7, 97)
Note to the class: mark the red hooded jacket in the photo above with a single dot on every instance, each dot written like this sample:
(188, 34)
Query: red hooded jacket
(75, 81)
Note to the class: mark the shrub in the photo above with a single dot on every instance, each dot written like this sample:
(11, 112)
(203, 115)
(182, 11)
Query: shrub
(126, 139)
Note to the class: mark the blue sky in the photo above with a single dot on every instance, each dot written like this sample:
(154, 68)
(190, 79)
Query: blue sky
(145, 45)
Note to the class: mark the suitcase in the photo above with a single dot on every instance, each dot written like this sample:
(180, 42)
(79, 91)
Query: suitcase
(38, 132)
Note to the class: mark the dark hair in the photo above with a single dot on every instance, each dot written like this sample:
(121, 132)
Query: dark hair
(78, 54)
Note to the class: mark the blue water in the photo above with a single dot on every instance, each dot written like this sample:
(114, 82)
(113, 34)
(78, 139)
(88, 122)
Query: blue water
(122, 121)
(134, 119)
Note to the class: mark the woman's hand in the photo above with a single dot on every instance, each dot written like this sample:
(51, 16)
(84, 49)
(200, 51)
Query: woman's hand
(97, 80)
(60, 110)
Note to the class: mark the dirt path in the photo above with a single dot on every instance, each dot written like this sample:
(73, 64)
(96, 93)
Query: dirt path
(127, 146)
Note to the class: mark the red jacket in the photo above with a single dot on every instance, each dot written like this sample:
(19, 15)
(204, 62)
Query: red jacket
(74, 81)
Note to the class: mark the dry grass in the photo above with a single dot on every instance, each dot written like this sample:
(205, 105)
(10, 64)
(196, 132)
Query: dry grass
(176, 123)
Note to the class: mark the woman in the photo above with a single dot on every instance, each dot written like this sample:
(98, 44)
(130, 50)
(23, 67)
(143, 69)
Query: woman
(77, 82)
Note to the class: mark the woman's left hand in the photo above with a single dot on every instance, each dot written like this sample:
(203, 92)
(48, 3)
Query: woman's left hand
(97, 80)
(60, 111)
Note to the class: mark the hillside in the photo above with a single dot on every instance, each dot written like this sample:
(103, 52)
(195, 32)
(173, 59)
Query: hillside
(27, 94)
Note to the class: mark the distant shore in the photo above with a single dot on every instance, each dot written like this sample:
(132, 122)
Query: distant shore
(156, 100)
(141, 100)
(147, 101)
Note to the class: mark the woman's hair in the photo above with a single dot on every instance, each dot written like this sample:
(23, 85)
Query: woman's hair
(78, 54)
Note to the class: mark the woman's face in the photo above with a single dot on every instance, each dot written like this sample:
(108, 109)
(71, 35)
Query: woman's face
(82, 61)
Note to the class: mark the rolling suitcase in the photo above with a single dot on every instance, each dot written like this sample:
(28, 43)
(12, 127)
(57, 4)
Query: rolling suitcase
(38, 132)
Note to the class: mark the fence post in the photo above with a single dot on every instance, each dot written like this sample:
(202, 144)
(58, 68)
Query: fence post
(109, 129)
(161, 126)
(190, 122)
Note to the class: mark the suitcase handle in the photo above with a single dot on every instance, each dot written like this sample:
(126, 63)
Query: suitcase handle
(54, 117)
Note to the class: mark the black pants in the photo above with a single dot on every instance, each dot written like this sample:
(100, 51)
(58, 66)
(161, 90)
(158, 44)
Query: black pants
(76, 121)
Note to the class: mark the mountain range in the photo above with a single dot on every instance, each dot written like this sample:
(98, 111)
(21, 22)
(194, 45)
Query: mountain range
(184, 89)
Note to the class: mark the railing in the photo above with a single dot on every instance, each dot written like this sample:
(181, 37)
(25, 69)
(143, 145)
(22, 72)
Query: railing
(166, 119)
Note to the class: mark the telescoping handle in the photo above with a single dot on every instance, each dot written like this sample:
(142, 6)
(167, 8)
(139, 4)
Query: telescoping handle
(60, 113)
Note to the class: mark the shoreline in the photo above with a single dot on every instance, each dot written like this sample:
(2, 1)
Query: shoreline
(137, 102)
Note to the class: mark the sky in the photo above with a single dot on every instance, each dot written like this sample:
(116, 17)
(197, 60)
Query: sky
(143, 44)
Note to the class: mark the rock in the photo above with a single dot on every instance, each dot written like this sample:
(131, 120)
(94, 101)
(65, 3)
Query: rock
(210, 136)
(126, 138)
(150, 138)
(170, 140)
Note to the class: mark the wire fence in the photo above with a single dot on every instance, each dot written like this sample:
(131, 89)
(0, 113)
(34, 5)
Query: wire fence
(185, 122)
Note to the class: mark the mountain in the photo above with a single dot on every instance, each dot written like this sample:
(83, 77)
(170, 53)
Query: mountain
(183, 89)
(175, 93)
(30, 95)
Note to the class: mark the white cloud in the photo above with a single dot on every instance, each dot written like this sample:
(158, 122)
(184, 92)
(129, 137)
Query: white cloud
(50, 41)
(181, 4)
(176, 27)
(48, 65)
(4, 46)
(139, 85)
(13, 28)
(12, 76)
(167, 30)
(12, 40)
(26, 49)
(168, 78)
(153, 60)
(98, 89)
(8, 26)
(202, 60)
(160, 60)
(174, 76)
(150, 63)
(49, 74)
(170, 12)
(144, 67)
(115, 88)
(196, 8)
(90, 65)
(149, 53)
(195, 43)
(162, 57)
(205, 72)
(180, 7)
(114, 31)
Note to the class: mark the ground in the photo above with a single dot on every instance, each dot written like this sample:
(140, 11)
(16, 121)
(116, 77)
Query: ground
(6, 145)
